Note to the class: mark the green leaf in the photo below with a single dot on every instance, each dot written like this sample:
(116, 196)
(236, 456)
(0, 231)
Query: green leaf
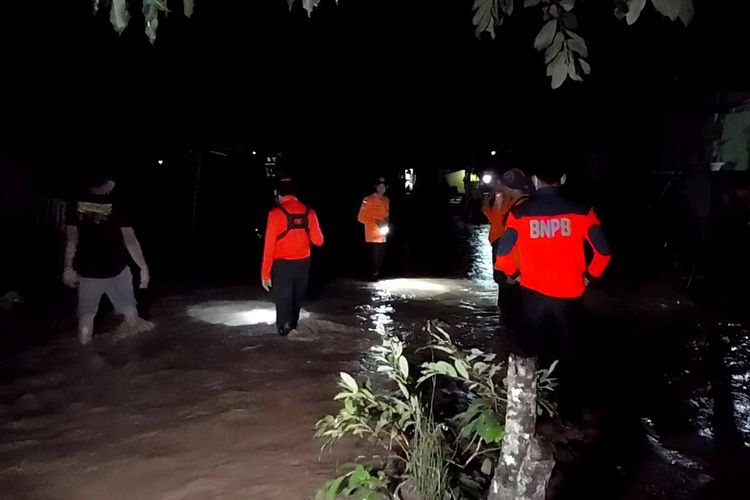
(669, 8)
(531, 3)
(577, 44)
(151, 10)
(484, 17)
(309, 5)
(506, 7)
(489, 427)
(398, 348)
(553, 366)
(558, 69)
(569, 21)
(403, 389)
(349, 406)
(403, 367)
(572, 71)
(119, 15)
(687, 11)
(480, 366)
(585, 66)
(487, 467)
(634, 10)
(567, 5)
(331, 489)
(446, 369)
(359, 475)
(349, 382)
(621, 9)
(549, 54)
(546, 35)
(461, 369)
(188, 6)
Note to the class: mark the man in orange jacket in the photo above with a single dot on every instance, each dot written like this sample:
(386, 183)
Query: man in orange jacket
(550, 232)
(286, 254)
(375, 214)
(512, 190)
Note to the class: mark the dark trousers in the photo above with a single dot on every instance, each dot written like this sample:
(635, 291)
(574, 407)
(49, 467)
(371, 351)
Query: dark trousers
(552, 330)
(552, 327)
(510, 304)
(376, 253)
(289, 278)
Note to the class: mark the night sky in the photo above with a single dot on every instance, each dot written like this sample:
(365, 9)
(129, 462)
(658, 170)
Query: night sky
(365, 77)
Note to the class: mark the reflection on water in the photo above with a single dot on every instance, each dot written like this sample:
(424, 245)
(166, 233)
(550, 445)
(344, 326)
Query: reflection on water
(403, 305)
(481, 254)
(466, 301)
(738, 366)
(714, 377)
(410, 286)
(236, 313)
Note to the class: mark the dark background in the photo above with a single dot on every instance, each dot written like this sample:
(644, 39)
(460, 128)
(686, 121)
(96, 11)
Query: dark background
(364, 88)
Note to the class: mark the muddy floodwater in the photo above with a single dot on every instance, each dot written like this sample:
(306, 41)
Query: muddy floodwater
(212, 404)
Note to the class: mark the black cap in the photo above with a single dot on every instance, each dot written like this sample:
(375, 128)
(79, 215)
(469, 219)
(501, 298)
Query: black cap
(516, 179)
(380, 180)
(285, 185)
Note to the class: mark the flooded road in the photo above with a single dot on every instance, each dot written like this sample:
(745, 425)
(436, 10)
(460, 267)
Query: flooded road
(212, 404)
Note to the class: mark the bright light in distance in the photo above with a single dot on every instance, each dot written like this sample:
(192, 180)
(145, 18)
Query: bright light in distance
(384, 230)
(493, 152)
(411, 285)
(255, 153)
(236, 313)
(160, 162)
(486, 178)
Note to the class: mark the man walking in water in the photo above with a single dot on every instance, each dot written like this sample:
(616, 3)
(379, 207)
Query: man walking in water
(374, 214)
(286, 254)
(549, 232)
(511, 191)
(99, 241)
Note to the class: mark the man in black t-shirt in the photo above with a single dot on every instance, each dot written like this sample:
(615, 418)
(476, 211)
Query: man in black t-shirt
(99, 241)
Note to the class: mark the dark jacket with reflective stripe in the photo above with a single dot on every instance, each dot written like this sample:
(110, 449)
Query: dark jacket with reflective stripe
(549, 232)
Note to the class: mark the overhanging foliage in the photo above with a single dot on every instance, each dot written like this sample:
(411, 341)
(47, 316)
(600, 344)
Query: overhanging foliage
(564, 49)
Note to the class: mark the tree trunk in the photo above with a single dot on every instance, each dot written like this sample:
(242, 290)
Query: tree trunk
(525, 464)
(535, 472)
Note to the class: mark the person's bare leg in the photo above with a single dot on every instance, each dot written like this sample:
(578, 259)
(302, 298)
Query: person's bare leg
(85, 328)
(134, 323)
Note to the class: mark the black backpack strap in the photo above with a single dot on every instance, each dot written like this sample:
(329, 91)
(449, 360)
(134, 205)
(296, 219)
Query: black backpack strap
(282, 234)
(291, 224)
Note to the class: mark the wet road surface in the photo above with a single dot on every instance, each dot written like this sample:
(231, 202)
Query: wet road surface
(213, 405)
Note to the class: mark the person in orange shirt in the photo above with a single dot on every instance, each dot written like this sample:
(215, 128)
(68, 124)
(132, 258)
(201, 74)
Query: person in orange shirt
(374, 214)
(512, 190)
(291, 228)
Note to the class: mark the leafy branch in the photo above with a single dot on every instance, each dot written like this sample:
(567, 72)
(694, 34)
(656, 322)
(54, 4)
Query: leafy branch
(565, 51)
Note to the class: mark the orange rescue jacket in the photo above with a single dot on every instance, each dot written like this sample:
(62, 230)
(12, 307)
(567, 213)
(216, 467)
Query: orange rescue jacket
(295, 244)
(497, 214)
(550, 232)
(375, 209)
